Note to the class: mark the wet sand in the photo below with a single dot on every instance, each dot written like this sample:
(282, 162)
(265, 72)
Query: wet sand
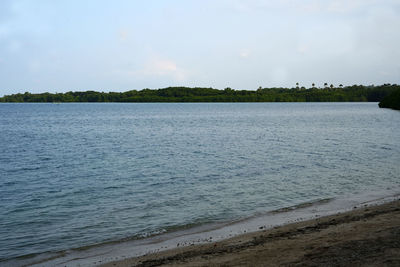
(369, 236)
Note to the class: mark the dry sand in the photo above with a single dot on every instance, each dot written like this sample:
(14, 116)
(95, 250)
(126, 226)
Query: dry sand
(363, 237)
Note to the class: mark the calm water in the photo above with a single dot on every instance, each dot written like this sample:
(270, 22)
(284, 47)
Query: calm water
(73, 175)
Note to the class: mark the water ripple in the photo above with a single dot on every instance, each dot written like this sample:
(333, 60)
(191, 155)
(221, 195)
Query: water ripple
(75, 175)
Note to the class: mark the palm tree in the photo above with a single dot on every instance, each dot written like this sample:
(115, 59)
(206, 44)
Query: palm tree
(331, 86)
(325, 84)
(297, 85)
(313, 85)
(341, 85)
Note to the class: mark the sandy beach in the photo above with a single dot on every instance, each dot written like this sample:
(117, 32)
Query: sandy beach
(368, 236)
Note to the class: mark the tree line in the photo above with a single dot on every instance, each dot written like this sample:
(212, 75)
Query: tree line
(355, 93)
(391, 101)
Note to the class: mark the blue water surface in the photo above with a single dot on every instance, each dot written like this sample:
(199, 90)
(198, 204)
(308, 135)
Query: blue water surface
(73, 175)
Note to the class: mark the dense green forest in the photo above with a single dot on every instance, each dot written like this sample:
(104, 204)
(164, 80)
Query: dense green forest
(391, 101)
(353, 93)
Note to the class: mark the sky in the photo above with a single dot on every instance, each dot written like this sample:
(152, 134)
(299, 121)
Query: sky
(120, 45)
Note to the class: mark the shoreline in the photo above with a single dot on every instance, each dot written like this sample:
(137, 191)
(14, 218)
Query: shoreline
(117, 251)
(363, 236)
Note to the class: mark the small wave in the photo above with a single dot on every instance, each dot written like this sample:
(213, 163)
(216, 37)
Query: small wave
(200, 225)
(29, 259)
(23, 169)
(302, 205)
(112, 187)
(10, 183)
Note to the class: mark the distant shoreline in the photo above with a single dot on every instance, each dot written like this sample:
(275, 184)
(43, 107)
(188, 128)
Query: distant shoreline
(355, 93)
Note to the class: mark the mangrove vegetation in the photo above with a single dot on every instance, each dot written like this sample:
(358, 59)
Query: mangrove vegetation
(355, 93)
(391, 101)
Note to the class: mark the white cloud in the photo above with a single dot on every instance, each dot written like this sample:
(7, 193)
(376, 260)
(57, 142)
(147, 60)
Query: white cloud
(123, 35)
(305, 6)
(165, 68)
(309, 6)
(344, 6)
(303, 48)
(245, 53)
(160, 67)
(155, 68)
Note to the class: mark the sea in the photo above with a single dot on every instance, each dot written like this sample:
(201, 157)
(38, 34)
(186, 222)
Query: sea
(81, 177)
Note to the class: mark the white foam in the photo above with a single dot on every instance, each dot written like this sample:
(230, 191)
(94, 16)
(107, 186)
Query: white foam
(215, 232)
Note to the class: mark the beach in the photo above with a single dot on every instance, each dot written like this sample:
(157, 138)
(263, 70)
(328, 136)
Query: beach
(199, 133)
(366, 236)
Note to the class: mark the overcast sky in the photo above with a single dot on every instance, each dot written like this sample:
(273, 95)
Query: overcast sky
(71, 45)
